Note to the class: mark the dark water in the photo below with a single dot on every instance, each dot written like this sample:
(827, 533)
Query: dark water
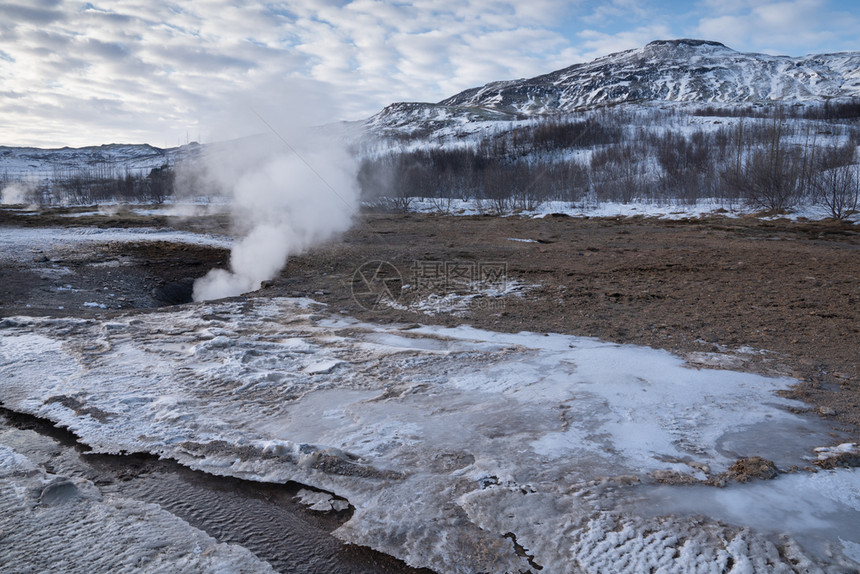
(264, 518)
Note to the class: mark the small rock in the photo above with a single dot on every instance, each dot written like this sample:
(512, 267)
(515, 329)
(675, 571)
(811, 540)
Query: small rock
(844, 455)
(826, 411)
(60, 491)
(752, 467)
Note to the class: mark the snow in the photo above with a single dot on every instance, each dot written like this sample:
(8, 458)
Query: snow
(664, 71)
(848, 448)
(48, 240)
(485, 296)
(662, 210)
(824, 505)
(33, 164)
(446, 439)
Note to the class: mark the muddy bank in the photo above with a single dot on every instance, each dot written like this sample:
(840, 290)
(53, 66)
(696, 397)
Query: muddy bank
(270, 520)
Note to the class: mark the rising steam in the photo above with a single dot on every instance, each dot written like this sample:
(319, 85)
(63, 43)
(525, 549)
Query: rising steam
(17, 193)
(285, 198)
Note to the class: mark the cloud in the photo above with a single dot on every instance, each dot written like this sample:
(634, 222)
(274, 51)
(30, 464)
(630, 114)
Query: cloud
(94, 72)
(595, 43)
(42, 13)
(793, 27)
(174, 67)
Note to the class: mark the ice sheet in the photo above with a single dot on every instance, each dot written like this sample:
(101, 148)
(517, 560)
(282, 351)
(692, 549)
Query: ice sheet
(19, 244)
(445, 440)
(55, 524)
(673, 209)
(825, 506)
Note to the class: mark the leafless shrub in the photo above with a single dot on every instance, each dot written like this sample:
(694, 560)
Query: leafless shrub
(838, 189)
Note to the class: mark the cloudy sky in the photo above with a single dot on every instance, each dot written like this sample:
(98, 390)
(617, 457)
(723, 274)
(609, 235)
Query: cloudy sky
(84, 73)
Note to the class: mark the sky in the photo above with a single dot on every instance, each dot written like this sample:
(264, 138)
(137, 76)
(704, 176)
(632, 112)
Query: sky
(141, 71)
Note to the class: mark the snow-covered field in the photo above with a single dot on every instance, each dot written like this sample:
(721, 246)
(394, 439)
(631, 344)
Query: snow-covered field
(18, 244)
(663, 210)
(666, 210)
(460, 449)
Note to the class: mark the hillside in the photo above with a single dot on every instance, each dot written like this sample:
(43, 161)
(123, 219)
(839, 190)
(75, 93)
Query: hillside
(18, 163)
(675, 71)
(665, 71)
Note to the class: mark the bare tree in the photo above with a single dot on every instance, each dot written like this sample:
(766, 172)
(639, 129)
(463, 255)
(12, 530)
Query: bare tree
(773, 173)
(160, 182)
(838, 189)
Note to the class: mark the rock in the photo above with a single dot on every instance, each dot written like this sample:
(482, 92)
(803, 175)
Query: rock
(60, 491)
(845, 455)
(752, 467)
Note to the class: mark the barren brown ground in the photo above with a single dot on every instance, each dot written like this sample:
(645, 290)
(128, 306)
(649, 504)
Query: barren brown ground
(788, 289)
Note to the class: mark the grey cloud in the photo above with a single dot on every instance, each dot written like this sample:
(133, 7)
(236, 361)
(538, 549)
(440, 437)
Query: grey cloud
(62, 66)
(108, 16)
(201, 58)
(29, 14)
(108, 50)
(166, 66)
(43, 42)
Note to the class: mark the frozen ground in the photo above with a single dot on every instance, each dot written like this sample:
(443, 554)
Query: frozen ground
(672, 209)
(489, 296)
(18, 244)
(52, 523)
(460, 449)
(666, 210)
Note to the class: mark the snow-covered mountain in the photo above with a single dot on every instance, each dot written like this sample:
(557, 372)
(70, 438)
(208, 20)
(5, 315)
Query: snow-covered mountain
(682, 72)
(692, 71)
(674, 70)
(22, 163)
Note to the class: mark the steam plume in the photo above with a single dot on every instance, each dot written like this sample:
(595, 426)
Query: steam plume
(286, 197)
(17, 193)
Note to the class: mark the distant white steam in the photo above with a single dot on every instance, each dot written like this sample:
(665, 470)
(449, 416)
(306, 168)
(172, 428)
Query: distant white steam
(17, 194)
(286, 197)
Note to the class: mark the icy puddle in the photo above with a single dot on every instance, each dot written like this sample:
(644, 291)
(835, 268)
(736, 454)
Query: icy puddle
(19, 244)
(824, 507)
(461, 450)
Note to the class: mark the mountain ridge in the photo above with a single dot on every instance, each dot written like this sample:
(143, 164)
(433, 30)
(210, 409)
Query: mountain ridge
(682, 70)
(34, 164)
(678, 71)
(663, 72)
